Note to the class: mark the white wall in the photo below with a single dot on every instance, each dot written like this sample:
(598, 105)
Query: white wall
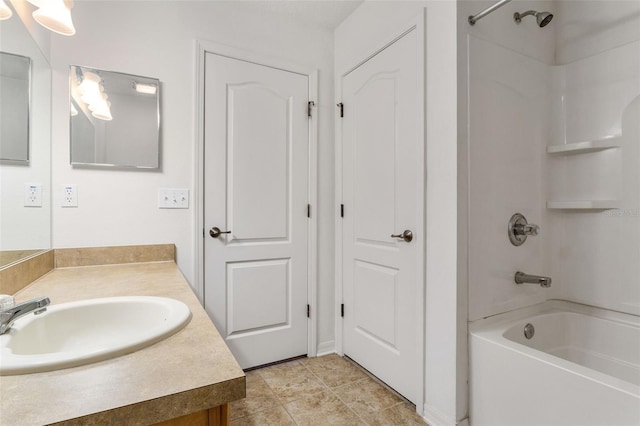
(41, 36)
(369, 28)
(585, 28)
(158, 39)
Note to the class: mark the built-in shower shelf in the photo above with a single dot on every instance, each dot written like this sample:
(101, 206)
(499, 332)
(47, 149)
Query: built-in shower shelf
(584, 205)
(584, 147)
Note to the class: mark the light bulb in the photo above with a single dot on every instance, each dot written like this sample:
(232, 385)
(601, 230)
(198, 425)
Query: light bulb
(101, 109)
(90, 88)
(147, 89)
(5, 12)
(55, 15)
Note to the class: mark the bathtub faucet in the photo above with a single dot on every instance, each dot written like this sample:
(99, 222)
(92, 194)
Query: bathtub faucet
(522, 278)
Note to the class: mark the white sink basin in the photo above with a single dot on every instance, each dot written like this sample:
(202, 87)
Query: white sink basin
(78, 333)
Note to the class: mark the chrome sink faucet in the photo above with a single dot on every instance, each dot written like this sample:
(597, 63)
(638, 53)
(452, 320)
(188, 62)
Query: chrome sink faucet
(522, 278)
(9, 315)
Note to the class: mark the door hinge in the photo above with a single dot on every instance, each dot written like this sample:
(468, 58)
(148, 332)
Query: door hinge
(341, 210)
(308, 311)
(309, 210)
(341, 106)
(202, 232)
(342, 310)
(310, 106)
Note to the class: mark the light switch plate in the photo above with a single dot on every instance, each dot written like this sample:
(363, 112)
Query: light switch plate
(176, 198)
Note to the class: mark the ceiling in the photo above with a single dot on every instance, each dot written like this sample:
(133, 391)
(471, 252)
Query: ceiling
(325, 13)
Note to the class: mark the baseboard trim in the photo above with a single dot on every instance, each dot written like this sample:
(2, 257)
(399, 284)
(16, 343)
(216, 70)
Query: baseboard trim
(435, 417)
(326, 348)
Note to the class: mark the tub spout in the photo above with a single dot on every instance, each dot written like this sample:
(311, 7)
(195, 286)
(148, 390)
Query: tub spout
(522, 278)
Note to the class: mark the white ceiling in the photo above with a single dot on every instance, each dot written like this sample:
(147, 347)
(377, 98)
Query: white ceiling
(326, 13)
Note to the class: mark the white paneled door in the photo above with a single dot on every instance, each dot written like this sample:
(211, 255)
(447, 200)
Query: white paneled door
(382, 194)
(256, 165)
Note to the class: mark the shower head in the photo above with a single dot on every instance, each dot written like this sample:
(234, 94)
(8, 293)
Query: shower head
(542, 18)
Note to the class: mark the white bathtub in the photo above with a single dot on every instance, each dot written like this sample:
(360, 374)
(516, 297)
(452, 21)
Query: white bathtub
(581, 367)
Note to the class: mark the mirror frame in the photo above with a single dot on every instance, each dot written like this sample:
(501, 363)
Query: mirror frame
(158, 159)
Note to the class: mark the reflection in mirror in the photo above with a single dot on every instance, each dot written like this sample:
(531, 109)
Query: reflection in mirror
(15, 84)
(25, 227)
(115, 119)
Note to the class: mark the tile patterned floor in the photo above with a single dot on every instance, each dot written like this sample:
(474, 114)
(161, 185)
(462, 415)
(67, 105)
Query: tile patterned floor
(328, 390)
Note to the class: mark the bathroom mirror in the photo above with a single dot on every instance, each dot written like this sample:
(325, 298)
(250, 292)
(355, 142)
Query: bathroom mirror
(115, 119)
(24, 230)
(15, 85)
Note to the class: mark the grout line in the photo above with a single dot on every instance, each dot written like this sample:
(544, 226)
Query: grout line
(327, 388)
(289, 414)
(380, 382)
(330, 389)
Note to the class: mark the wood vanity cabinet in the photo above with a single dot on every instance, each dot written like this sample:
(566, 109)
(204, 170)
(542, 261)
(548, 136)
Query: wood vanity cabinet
(217, 416)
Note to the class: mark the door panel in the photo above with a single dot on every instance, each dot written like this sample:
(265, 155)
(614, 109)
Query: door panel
(256, 187)
(258, 113)
(264, 283)
(375, 302)
(374, 116)
(382, 183)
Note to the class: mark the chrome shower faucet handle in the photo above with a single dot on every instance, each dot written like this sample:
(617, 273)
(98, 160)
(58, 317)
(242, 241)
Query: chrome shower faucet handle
(519, 229)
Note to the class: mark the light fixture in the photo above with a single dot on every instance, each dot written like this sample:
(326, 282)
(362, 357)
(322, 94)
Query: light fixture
(90, 88)
(147, 89)
(101, 110)
(5, 12)
(92, 94)
(55, 15)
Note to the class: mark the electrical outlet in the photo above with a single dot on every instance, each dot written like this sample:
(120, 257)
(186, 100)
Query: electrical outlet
(33, 195)
(173, 198)
(70, 196)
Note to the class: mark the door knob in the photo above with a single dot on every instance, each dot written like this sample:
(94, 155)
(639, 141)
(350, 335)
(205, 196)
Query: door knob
(407, 235)
(215, 232)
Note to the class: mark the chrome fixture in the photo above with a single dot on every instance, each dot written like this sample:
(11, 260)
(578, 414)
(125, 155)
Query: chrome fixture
(522, 278)
(10, 315)
(407, 235)
(529, 330)
(215, 232)
(542, 18)
(519, 229)
(473, 19)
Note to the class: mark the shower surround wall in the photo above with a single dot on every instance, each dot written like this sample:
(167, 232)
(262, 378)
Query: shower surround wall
(595, 254)
(502, 131)
(576, 80)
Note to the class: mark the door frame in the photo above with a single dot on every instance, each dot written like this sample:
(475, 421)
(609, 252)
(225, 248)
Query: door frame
(419, 25)
(202, 48)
